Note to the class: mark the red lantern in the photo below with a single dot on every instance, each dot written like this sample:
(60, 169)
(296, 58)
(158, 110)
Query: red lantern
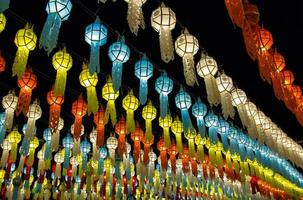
(27, 83)
(162, 148)
(79, 109)
(137, 136)
(172, 151)
(147, 144)
(194, 165)
(121, 130)
(277, 61)
(100, 121)
(2, 63)
(55, 103)
(287, 78)
(185, 159)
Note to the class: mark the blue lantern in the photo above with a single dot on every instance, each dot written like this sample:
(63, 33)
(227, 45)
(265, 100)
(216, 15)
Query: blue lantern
(103, 155)
(223, 128)
(199, 110)
(183, 102)
(95, 36)
(68, 143)
(4, 5)
(143, 71)
(24, 149)
(118, 53)
(47, 136)
(58, 11)
(85, 148)
(211, 121)
(241, 142)
(2, 127)
(164, 85)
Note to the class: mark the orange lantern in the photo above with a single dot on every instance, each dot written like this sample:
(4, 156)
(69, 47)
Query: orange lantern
(137, 136)
(100, 121)
(147, 144)
(2, 63)
(278, 61)
(121, 130)
(172, 151)
(236, 11)
(287, 78)
(27, 83)
(194, 166)
(264, 39)
(79, 109)
(252, 14)
(55, 103)
(162, 148)
(185, 160)
(292, 101)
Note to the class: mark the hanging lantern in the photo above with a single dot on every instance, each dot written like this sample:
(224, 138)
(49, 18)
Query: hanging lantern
(56, 135)
(100, 121)
(6, 147)
(110, 96)
(173, 152)
(58, 158)
(207, 68)
(27, 83)
(130, 104)
(223, 129)
(199, 110)
(2, 22)
(149, 113)
(14, 138)
(264, 40)
(89, 81)
(147, 144)
(58, 11)
(34, 143)
(225, 86)
(25, 40)
(95, 36)
(55, 103)
(200, 141)
(112, 144)
(278, 64)
(177, 129)
(76, 146)
(185, 160)
(183, 102)
(93, 140)
(121, 130)
(9, 103)
(239, 99)
(165, 123)
(62, 62)
(164, 85)
(85, 149)
(162, 148)
(137, 137)
(33, 114)
(143, 71)
(79, 109)
(163, 20)
(47, 136)
(118, 53)
(67, 143)
(187, 46)
(190, 135)
(2, 60)
(135, 18)
(211, 121)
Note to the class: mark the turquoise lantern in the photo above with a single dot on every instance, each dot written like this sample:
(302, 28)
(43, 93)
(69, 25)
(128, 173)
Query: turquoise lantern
(199, 110)
(47, 136)
(58, 11)
(233, 136)
(95, 36)
(183, 102)
(103, 155)
(24, 149)
(4, 4)
(211, 121)
(143, 71)
(164, 85)
(223, 128)
(68, 143)
(85, 148)
(118, 53)
(2, 127)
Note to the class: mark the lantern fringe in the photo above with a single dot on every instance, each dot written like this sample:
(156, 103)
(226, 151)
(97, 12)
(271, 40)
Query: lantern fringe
(94, 60)
(9, 119)
(219, 158)
(224, 141)
(2, 134)
(201, 126)
(167, 141)
(185, 120)
(21, 164)
(30, 128)
(50, 32)
(148, 130)
(58, 170)
(189, 70)
(227, 106)
(243, 115)
(20, 62)
(15, 191)
(121, 144)
(77, 127)
(76, 147)
(179, 143)
(66, 158)
(130, 121)
(213, 94)
(117, 75)
(191, 146)
(41, 167)
(135, 16)
(163, 105)
(24, 101)
(55, 140)
(30, 159)
(166, 45)
(4, 158)
(100, 135)
(48, 151)
(200, 152)
(84, 162)
(92, 100)
(111, 112)
(14, 151)
(213, 137)
(143, 90)
(54, 116)
(60, 83)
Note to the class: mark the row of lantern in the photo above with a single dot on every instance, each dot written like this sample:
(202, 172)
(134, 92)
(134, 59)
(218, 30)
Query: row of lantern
(259, 42)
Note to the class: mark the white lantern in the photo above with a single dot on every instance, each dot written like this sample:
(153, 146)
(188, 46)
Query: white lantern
(6, 147)
(59, 160)
(239, 99)
(112, 144)
(93, 140)
(34, 113)
(135, 17)
(9, 103)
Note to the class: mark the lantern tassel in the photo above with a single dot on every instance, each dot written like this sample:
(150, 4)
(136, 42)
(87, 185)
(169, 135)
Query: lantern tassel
(30, 159)
(200, 151)
(167, 141)
(213, 94)
(76, 147)
(148, 130)
(92, 99)
(94, 60)
(55, 140)
(135, 16)
(201, 126)
(179, 143)
(20, 61)
(111, 111)
(54, 116)
(48, 151)
(243, 115)
(191, 146)
(14, 151)
(212, 155)
(77, 127)
(66, 158)
(234, 148)
(121, 144)
(4, 158)
(130, 121)
(50, 32)
(224, 142)
(166, 45)
(58, 170)
(21, 164)
(60, 83)
(226, 105)
(23, 101)
(117, 75)
(143, 90)
(30, 128)
(163, 105)
(100, 166)
(2, 134)
(100, 135)
(84, 162)
(189, 70)
(15, 191)
(185, 119)
(9, 119)
(213, 137)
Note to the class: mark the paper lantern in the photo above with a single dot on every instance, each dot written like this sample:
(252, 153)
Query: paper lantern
(130, 104)
(25, 40)
(47, 136)
(62, 62)
(33, 114)
(163, 20)
(137, 137)
(118, 53)
(79, 109)
(200, 141)
(239, 99)
(187, 46)
(207, 68)
(162, 148)
(147, 144)
(9, 103)
(264, 40)
(164, 85)
(95, 36)
(56, 135)
(6, 147)
(223, 129)
(58, 158)
(177, 129)
(190, 135)
(112, 144)
(183, 102)
(27, 83)
(41, 163)
(143, 71)
(89, 81)
(165, 123)
(85, 149)
(135, 17)
(278, 61)
(34, 143)
(199, 110)
(225, 86)
(2, 22)
(55, 103)
(110, 96)
(149, 113)
(58, 11)
(2, 60)
(211, 121)
(67, 143)
(100, 121)
(121, 130)
(14, 138)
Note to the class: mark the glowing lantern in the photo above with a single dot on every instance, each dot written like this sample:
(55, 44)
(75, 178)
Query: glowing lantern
(25, 40)
(58, 158)
(211, 121)
(190, 135)
(137, 136)
(58, 11)
(200, 141)
(121, 130)
(130, 104)
(76, 147)
(143, 71)
(165, 123)
(41, 162)
(62, 62)
(6, 147)
(55, 103)
(100, 121)
(79, 109)
(149, 113)
(162, 148)
(147, 144)
(67, 143)
(56, 135)
(33, 114)
(264, 39)
(183, 102)
(239, 99)
(287, 78)
(172, 151)
(34, 143)
(93, 140)
(47, 136)
(187, 46)
(223, 129)
(135, 18)
(207, 68)
(95, 36)
(2, 60)
(225, 86)
(74, 163)
(164, 85)
(177, 129)
(163, 20)
(89, 81)
(27, 83)
(112, 144)
(15, 138)
(151, 165)
(199, 110)
(85, 148)
(2, 22)
(110, 96)
(9, 103)
(118, 53)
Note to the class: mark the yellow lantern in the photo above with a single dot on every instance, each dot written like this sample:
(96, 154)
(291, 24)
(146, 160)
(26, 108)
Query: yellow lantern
(149, 113)
(130, 104)
(190, 135)
(110, 96)
(89, 82)
(107, 166)
(165, 123)
(62, 62)
(26, 41)
(34, 143)
(177, 129)
(2, 22)
(200, 147)
(14, 137)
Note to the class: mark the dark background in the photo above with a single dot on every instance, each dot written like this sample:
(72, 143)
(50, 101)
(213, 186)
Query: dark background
(207, 20)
